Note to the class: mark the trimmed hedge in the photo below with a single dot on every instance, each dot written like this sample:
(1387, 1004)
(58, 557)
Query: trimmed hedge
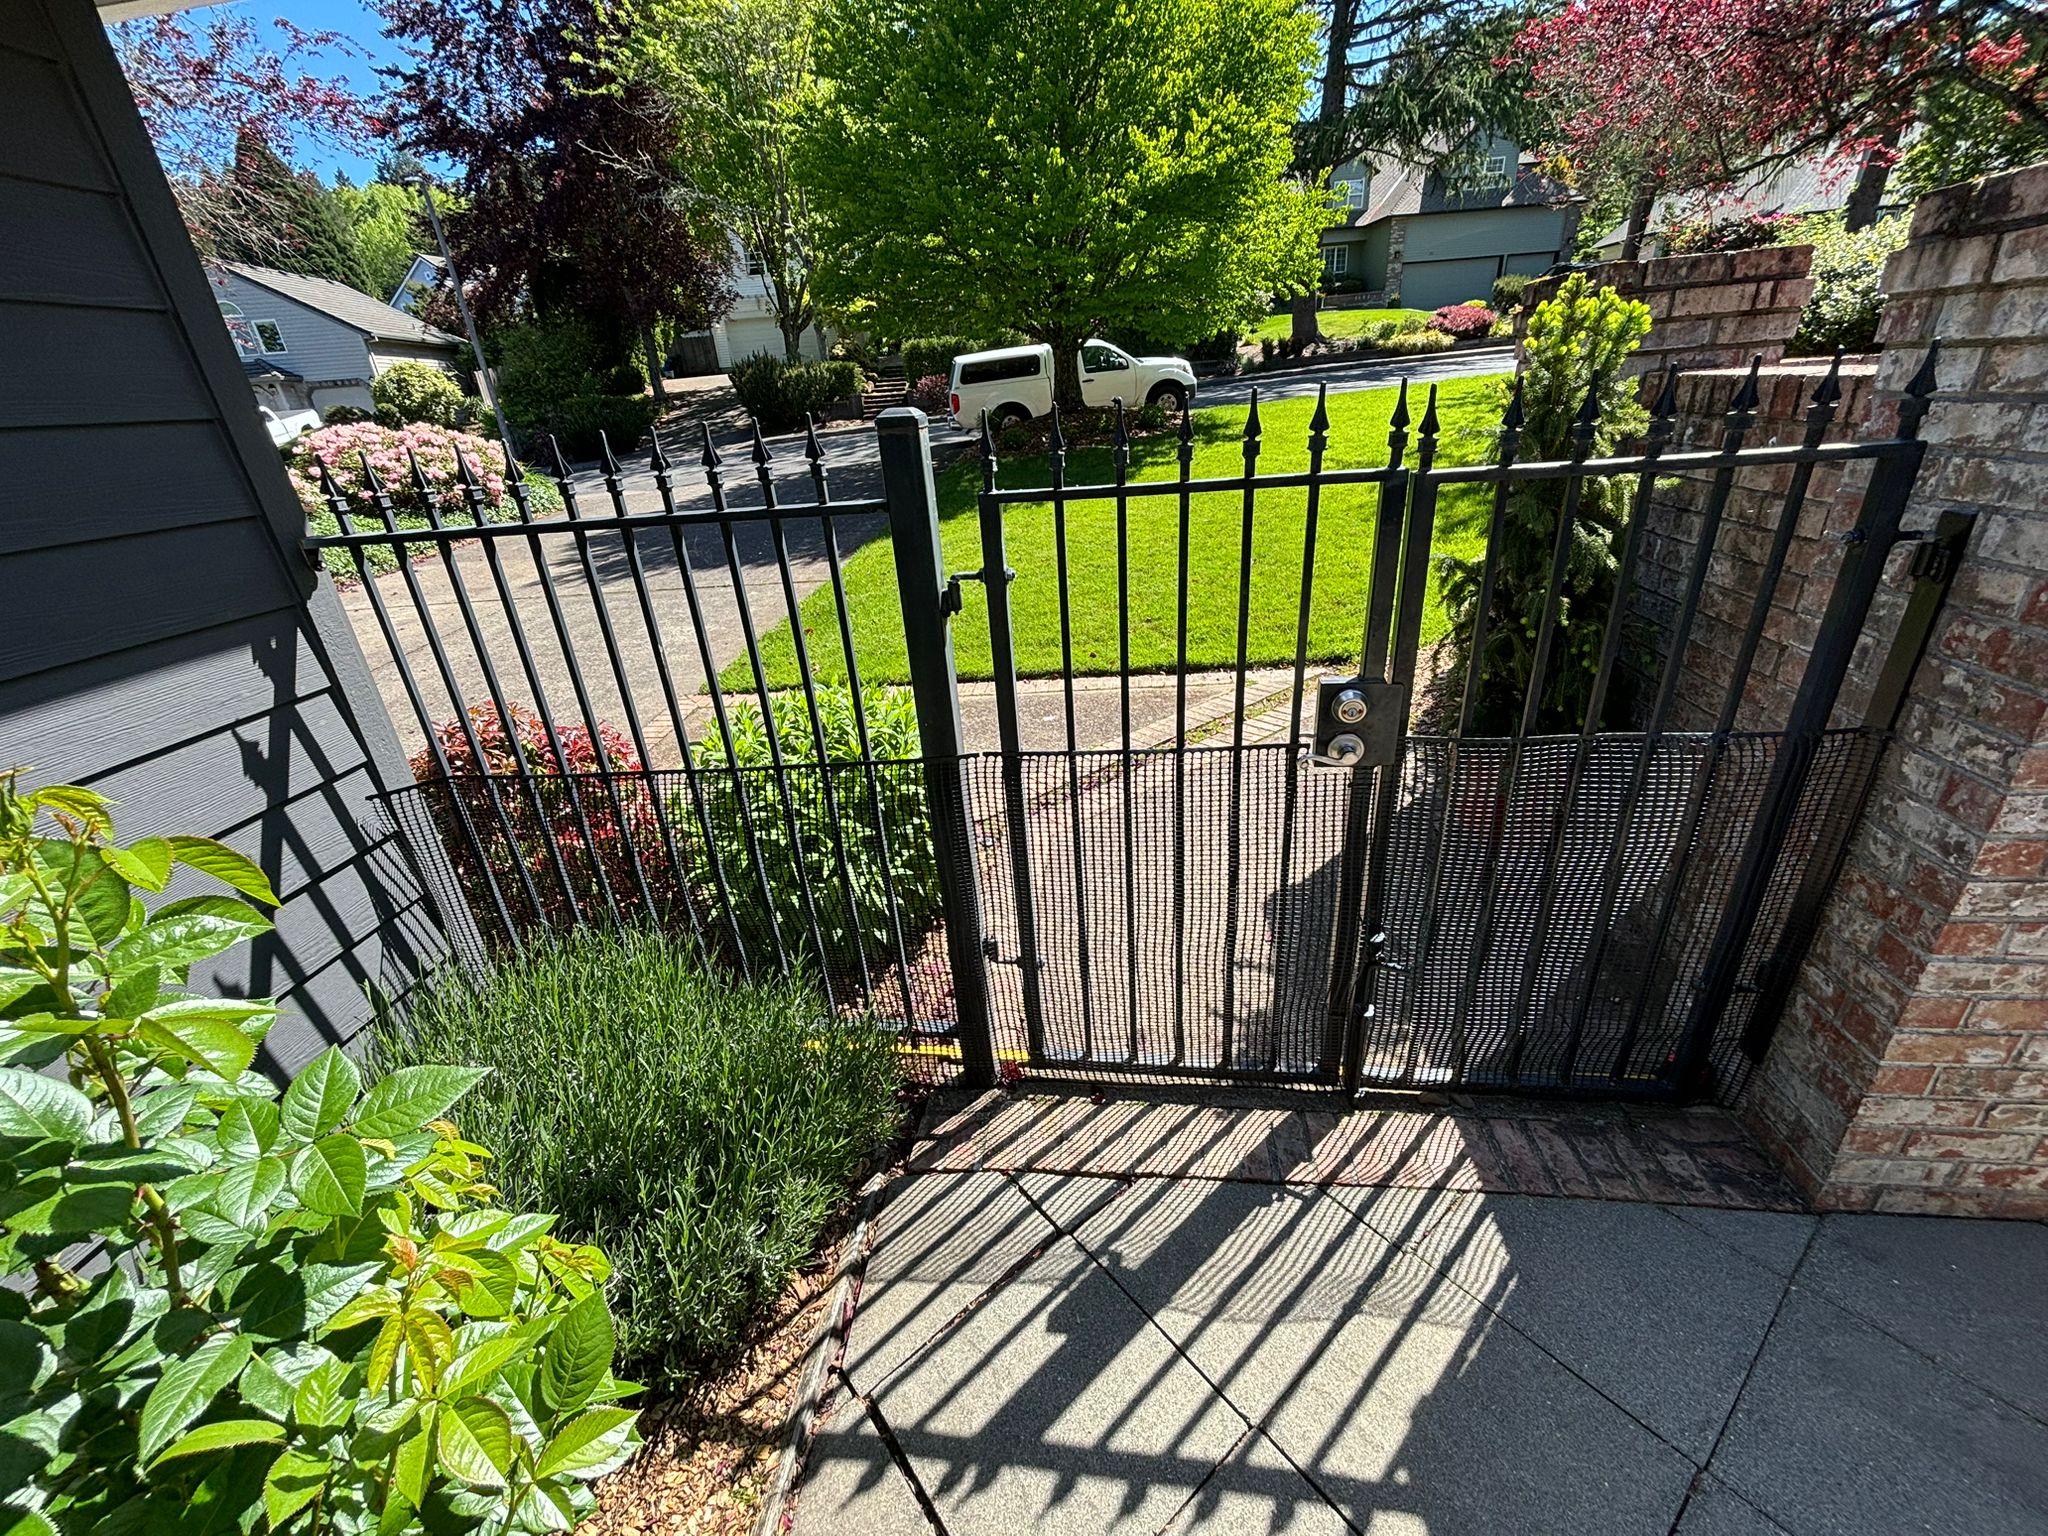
(782, 395)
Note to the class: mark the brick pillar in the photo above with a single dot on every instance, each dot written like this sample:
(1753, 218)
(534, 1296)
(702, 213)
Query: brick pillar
(1708, 311)
(1910, 1072)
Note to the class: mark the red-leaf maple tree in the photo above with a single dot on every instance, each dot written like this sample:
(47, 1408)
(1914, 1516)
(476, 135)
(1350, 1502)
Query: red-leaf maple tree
(1673, 95)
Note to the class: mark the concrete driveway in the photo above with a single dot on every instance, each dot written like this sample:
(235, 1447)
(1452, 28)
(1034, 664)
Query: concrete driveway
(1047, 1352)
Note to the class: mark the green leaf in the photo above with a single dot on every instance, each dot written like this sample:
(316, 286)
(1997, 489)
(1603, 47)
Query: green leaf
(475, 1442)
(47, 1206)
(321, 1096)
(83, 805)
(321, 1401)
(410, 1097)
(483, 1360)
(41, 1108)
(263, 1387)
(328, 1177)
(146, 863)
(284, 1304)
(135, 995)
(587, 1442)
(247, 1192)
(187, 1387)
(220, 1435)
(203, 1038)
(295, 1480)
(16, 983)
(579, 1353)
(225, 865)
(414, 1454)
(24, 1522)
(99, 897)
(174, 939)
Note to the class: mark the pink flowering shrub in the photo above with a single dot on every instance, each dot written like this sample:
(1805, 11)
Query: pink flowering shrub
(343, 448)
(1463, 321)
(932, 394)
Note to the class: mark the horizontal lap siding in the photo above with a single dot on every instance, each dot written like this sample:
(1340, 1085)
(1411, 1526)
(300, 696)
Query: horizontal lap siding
(160, 634)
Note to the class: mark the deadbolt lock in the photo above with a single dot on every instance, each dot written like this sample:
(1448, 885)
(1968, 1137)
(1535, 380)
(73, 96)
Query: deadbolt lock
(1358, 722)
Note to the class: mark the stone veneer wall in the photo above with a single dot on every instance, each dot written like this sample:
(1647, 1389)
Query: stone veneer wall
(1706, 311)
(1910, 1072)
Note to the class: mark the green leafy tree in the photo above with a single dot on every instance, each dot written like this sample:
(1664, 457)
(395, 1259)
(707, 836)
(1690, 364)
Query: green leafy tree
(1061, 167)
(1576, 344)
(737, 79)
(306, 1310)
(284, 218)
(385, 221)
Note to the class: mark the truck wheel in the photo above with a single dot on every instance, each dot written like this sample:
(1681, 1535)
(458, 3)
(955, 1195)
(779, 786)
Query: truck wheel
(1173, 396)
(1011, 415)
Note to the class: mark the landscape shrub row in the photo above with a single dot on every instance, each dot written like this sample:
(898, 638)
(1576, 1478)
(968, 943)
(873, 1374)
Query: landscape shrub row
(782, 395)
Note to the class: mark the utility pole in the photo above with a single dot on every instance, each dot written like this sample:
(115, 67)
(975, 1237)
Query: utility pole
(476, 347)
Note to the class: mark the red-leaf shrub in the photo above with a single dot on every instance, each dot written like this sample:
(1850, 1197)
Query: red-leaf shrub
(932, 394)
(1462, 322)
(542, 838)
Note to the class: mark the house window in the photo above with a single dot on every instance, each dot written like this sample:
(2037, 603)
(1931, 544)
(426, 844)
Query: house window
(271, 337)
(1336, 260)
(244, 334)
(1494, 170)
(1351, 194)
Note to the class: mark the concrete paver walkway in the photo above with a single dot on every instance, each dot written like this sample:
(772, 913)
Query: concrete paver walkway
(1037, 1351)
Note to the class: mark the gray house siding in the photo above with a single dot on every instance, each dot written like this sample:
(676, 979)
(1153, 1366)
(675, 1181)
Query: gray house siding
(161, 636)
(333, 359)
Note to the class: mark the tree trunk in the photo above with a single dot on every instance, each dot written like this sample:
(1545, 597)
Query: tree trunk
(1638, 220)
(1066, 371)
(652, 351)
(1302, 318)
(1860, 212)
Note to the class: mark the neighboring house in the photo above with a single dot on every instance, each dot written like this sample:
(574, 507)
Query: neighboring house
(422, 280)
(310, 343)
(747, 329)
(1409, 237)
(1819, 183)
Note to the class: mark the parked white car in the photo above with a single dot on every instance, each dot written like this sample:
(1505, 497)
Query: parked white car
(1016, 383)
(283, 429)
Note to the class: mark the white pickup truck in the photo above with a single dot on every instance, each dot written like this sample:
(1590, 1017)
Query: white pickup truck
(1016, 383)
(283, 429)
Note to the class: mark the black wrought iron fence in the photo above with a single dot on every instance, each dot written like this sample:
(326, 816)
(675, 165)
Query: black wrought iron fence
(1408, 874)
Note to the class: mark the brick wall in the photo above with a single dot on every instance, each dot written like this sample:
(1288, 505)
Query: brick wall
(1911, 1070)
(1749, 521)
(1707, 311)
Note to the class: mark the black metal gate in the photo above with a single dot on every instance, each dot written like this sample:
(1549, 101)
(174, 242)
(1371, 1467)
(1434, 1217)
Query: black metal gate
(1390, 893)
(1182, 858)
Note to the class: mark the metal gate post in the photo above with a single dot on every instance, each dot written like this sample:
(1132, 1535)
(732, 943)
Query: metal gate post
(906, 462)
(1856, 583)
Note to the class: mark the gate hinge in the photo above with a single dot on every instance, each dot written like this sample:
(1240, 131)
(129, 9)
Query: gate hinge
(1934, 557)
(952, 599)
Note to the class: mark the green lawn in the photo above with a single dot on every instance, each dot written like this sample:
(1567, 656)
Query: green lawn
(1332, 322)
(1358, 435)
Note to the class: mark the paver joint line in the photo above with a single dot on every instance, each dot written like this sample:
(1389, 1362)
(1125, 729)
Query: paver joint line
(876, 1417)
(1252, 1426)
(1749, 1372)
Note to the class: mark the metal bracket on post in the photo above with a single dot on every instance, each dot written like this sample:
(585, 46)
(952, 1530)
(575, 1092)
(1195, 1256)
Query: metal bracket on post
(923, 587)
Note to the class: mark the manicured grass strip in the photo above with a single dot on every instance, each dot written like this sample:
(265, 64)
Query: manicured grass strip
(1468, 408)
(1331, 322)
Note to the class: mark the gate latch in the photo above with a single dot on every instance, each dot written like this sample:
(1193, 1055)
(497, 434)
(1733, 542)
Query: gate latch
(1358, 722)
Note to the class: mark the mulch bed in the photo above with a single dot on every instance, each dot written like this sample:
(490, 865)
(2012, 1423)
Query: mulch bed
(710, 1454)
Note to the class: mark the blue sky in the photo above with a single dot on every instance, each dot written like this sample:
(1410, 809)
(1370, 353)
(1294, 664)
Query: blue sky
(356, 21)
